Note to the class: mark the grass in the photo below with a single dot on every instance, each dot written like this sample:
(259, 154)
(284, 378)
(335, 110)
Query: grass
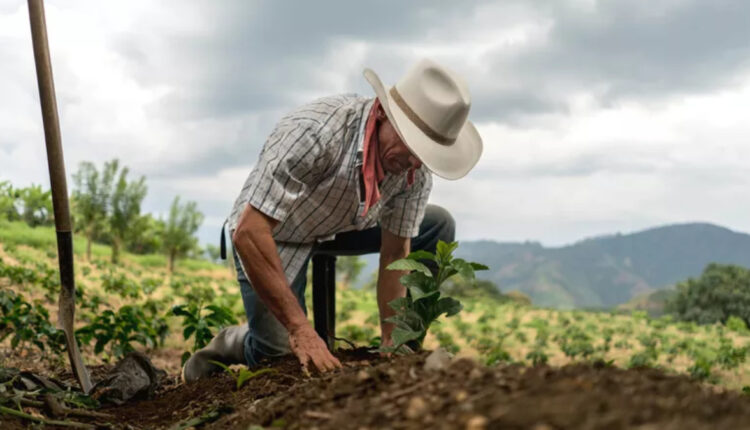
(18, 233)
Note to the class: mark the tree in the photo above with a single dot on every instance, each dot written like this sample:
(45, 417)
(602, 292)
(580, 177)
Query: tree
(348, 269)
(179, 229)
(8, 200)
(37, 206)
(125, 209)
(147, 237)
(720, 292)
(91, 194)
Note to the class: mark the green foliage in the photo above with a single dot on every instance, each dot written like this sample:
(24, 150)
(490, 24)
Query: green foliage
(357, 334)
(447, 343)
(90, 199)
(728, 356)
(348, 269)
(575, 342)
(198, 321)
(737, 325)
(537, 357)
(243, 375)
(125, 209)
(150, 237)
(645, 358)
(120, 329)
(27, 322)
(37, 206)
(423, 303)
(120, 284)
(179, 230)
(701, 369)
(8, 198)
(722, 291)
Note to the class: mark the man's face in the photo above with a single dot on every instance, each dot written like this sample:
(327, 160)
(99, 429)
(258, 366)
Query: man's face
(395, 156)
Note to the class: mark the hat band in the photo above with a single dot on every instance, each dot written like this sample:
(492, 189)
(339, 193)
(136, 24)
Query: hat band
(426, 129)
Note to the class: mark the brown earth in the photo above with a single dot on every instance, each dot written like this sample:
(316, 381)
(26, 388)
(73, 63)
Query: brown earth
(373, 392)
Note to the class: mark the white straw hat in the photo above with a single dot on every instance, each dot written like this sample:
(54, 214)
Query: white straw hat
(429, 108)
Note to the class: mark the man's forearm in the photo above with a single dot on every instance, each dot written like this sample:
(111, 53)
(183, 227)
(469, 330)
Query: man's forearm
(389, 288)
(257, 250)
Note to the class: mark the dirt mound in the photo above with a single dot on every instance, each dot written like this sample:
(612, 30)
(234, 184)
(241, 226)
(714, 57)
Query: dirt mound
(372, 392)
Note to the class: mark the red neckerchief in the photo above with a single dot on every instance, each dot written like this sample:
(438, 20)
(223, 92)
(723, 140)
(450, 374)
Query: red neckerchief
(372, 170)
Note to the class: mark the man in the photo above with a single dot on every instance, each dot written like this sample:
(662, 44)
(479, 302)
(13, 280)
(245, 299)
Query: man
(343, 175)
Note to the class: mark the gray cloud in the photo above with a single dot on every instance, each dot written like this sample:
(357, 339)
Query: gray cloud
(620, 50)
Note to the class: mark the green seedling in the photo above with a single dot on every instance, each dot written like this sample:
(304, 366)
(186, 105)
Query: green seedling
(424, 304)
(198, 323)
(243, 375)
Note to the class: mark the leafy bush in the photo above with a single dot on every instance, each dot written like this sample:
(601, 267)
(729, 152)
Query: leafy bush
(737, 325)
(27, 322)
(721, 291)
(701, 369)
(120, 284)
(575, 342)
(122, 328)
(537, 357)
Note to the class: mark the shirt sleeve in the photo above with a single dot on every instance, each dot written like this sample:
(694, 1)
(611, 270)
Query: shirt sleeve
(291, 160)
(403, 213)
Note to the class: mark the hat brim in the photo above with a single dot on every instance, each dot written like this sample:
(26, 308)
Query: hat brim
(447, 161)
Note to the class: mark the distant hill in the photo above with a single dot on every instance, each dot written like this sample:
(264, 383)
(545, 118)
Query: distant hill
(606, 271)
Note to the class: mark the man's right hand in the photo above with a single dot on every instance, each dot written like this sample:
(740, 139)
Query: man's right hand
(308, 346)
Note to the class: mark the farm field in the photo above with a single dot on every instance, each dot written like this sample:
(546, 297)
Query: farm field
(515, 354)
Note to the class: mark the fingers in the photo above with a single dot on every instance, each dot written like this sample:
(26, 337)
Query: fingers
(309, 347)
(324, 361)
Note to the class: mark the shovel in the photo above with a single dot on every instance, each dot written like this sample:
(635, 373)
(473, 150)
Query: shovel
(66, 315)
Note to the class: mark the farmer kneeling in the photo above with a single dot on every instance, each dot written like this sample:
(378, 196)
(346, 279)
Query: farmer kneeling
(344, 175)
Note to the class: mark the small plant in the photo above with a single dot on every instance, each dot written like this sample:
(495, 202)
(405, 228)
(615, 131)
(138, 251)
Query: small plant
(446, 342)
(198, 323)
(537, 357)
(122, 328)
(27, 322)
(737, 325)
(642, 359)
(701, 369)
(120, 284)
(729, 357)
(497, 354)
(575, 342)
(243, 375)
(423, 305)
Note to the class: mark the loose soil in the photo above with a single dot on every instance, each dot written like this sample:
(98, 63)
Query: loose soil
(373, 392)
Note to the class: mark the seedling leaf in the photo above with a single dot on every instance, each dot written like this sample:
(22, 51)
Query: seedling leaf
(406, 264)
(421, 255)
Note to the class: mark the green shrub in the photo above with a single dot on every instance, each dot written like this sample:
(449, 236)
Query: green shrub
(721, 291)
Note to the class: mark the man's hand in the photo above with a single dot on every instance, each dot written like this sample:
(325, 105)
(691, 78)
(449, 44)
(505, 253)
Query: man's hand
(308, 346)
(256, 247)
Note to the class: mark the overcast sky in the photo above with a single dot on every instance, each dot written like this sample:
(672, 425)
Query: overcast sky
(597, 116)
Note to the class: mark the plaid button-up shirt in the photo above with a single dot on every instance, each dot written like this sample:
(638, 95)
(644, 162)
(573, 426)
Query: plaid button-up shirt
(309, 178)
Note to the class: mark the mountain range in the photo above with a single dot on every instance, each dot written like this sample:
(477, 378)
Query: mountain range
(605, 271)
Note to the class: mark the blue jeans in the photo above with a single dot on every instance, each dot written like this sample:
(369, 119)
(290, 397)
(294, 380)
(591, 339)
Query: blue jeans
(268, 338)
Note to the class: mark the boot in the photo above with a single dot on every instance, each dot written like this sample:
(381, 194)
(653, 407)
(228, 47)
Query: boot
(227, 347)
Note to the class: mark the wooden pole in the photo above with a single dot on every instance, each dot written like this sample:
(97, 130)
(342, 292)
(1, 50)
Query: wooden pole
(56, 163)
